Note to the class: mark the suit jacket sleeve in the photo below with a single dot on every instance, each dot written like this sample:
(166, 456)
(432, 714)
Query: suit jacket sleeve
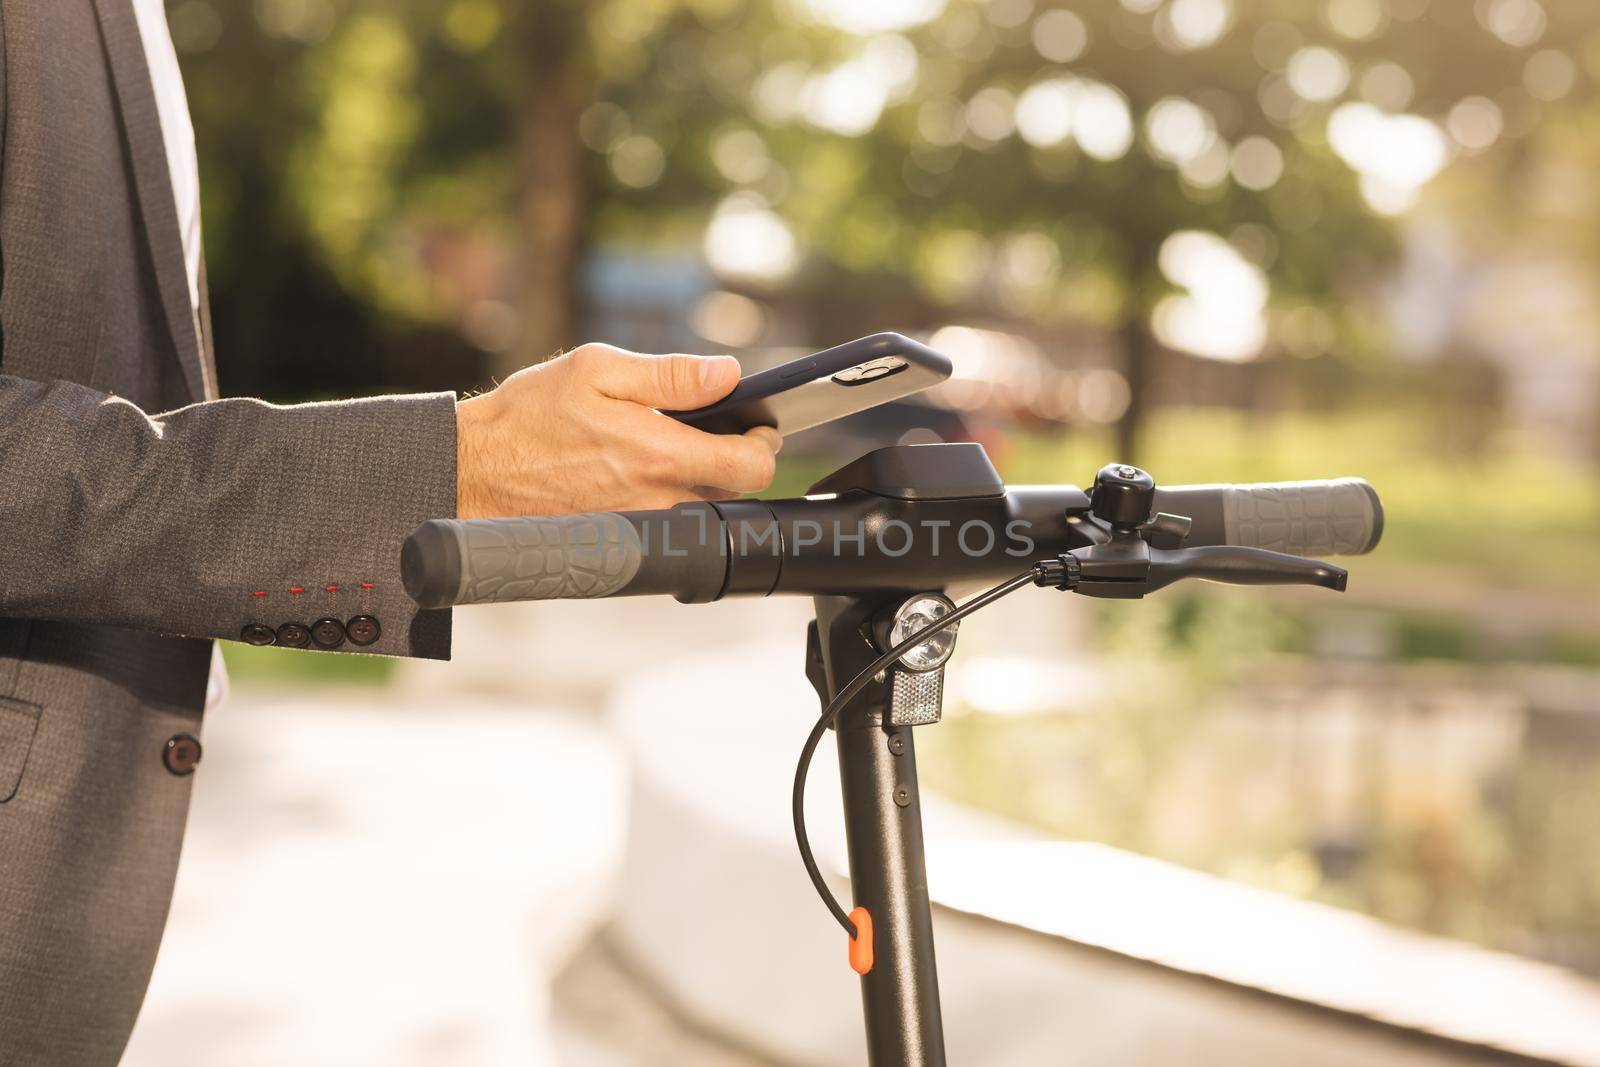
(222, 516)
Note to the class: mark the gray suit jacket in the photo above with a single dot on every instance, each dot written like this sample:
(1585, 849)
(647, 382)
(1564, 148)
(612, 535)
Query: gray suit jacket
(140, 518)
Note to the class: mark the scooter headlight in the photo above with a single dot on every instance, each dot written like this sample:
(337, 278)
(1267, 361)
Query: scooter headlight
(916, 614)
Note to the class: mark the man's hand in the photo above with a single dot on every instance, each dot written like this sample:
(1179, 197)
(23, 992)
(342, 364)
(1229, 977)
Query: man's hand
(583, 433)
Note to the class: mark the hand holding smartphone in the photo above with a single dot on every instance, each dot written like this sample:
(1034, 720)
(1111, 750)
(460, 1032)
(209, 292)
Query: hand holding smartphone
(827, 385)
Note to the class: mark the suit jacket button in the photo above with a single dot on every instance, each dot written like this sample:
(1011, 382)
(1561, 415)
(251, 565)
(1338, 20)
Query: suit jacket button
(256, 634)
(182, 754)
(362, 629)
(327, 633)
(293, 635)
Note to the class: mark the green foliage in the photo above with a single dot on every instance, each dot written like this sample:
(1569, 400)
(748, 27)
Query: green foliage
(389, 128)
(1087, 770)
(1389, 803)
(346, 172)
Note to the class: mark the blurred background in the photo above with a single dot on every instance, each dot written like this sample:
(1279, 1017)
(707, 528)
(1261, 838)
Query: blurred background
(1226, 240)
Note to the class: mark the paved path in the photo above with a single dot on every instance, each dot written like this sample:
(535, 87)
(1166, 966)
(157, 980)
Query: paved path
(371, 884)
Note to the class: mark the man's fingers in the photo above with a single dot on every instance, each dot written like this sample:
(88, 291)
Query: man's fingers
(767, 436)
(739, 464)
(671, 383)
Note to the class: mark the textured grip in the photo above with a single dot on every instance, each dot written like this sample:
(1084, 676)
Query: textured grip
(1337, 517)
(1334, 517)
(532, 558)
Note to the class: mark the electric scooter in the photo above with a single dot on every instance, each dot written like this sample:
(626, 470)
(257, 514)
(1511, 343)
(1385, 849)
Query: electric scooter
(876, 544)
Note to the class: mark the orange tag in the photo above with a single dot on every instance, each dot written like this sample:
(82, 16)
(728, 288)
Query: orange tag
(861, 944)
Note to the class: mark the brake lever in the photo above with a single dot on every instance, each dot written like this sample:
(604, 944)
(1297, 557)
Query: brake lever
(1236, 565)
(1126, 568)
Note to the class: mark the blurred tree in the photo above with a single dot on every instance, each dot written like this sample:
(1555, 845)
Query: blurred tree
(1201, 174)
(1530, 222)
(555, 84)
(1037, 162)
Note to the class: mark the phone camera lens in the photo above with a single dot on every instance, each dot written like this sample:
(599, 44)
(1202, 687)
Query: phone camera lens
(870, 371)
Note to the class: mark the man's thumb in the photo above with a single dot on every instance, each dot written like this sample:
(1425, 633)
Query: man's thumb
(678, 383)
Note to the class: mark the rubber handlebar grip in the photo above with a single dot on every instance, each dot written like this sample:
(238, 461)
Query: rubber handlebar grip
(538, 557)
(1331, 517)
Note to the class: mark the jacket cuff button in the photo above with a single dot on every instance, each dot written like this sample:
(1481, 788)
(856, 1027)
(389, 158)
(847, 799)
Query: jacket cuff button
(328, 633)
(293, 635)
(181, 754)
(362, 629)
(256, 634)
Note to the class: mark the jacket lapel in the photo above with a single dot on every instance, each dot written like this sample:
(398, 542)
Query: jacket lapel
(141, 129)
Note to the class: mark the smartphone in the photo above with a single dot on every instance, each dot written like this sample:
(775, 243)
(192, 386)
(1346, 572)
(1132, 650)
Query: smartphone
(828, 385)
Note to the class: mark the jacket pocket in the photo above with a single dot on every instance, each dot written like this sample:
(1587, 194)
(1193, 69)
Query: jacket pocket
(19, 721)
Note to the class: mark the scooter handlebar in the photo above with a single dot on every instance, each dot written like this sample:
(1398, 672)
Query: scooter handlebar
(701, 552)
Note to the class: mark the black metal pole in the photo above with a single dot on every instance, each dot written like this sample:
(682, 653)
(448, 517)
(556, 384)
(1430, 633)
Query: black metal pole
(883, 825)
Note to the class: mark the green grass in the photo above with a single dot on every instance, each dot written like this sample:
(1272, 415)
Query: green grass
(249, 665)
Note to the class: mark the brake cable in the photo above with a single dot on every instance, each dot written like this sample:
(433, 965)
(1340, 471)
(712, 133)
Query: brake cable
(849, 693)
